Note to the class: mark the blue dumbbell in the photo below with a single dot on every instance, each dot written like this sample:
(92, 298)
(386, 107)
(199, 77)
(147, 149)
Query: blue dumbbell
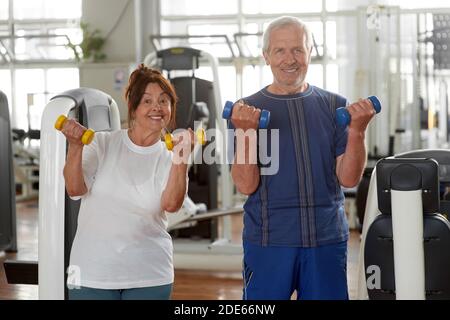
(264, 118)
(343, 117)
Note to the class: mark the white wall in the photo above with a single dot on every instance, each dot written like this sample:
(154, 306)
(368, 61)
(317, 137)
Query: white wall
(150, 19)
(130, 37)
(102, 15)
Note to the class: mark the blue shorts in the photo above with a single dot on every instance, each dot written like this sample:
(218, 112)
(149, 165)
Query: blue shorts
(274, 273)
(147, 293)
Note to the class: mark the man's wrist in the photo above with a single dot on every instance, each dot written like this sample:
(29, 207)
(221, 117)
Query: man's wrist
(354, 134)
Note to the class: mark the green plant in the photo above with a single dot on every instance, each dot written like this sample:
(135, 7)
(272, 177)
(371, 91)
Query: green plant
(90, 49)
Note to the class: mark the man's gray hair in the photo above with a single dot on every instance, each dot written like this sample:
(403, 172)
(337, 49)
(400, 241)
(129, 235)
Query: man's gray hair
(283, 22)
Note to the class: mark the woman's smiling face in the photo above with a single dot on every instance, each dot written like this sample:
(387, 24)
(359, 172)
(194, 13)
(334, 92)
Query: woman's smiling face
(154, 110)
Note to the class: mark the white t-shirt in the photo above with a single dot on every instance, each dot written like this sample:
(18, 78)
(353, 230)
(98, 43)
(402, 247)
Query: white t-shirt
(121, 241)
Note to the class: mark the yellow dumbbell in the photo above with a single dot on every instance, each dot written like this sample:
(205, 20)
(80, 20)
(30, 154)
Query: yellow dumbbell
(200, 134)
(87, 136)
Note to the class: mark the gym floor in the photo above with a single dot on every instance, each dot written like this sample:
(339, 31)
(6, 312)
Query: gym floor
(189, 284)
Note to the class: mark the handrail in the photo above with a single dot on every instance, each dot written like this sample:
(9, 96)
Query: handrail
(154, 39)
(157, 46)
(8, 55)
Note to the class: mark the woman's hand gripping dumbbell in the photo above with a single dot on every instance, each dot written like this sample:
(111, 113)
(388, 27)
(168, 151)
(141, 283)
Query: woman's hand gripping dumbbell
(171, 140)
(182, 143)
(358, 110)
(74, 132)
(246, 117)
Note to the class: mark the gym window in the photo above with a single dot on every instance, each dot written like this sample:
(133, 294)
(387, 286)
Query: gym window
(35, 63)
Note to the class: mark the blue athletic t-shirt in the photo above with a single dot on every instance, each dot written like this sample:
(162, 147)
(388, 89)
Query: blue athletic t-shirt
(302, 204)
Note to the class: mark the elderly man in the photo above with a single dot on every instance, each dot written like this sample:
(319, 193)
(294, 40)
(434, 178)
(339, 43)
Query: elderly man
(295, 228)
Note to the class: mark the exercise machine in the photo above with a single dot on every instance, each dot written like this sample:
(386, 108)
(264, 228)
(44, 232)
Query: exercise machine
(198, 244)
(8, 239)
(58, 214)
(26, 164)
(404, 252)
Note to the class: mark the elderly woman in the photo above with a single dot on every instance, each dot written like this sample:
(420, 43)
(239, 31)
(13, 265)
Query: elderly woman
(127, 181)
